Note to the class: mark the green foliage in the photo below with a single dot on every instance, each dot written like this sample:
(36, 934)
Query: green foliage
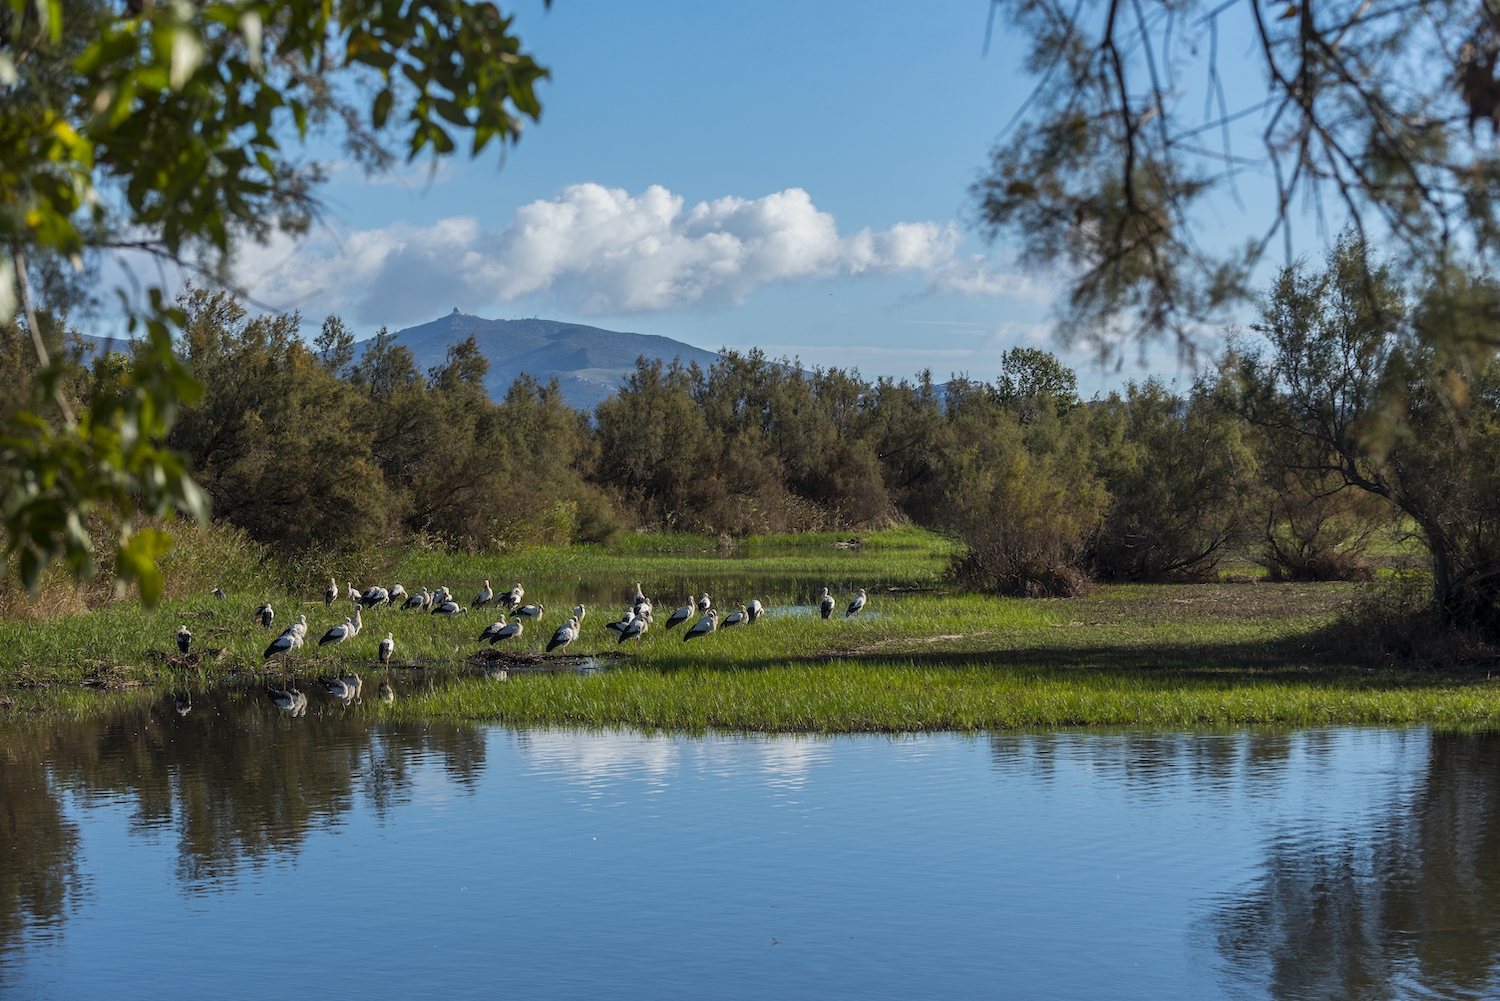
(1359, 388)
(158, 127)
(1181, 480)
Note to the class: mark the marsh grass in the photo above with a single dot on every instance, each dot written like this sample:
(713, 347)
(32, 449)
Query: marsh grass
(920, 657)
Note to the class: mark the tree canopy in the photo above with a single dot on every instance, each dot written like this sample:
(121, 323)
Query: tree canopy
(160, 128)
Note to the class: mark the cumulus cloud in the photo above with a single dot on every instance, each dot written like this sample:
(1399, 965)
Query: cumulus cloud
(604, 251)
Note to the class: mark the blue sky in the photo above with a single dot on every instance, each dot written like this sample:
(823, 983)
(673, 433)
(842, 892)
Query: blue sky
(792, 176)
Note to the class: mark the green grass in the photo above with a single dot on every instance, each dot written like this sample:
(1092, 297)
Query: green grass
(901, 557)
(1137, 655)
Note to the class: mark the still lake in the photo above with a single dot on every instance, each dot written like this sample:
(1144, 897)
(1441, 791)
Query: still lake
(236, 852)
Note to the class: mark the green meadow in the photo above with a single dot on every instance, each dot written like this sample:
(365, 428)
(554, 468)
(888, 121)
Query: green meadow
(920, 657)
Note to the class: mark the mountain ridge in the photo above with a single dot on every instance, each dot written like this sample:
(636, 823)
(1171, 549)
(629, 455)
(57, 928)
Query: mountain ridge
(589, 363)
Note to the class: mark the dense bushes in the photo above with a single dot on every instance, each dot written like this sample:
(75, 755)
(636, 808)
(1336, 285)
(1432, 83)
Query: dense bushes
(321, 449)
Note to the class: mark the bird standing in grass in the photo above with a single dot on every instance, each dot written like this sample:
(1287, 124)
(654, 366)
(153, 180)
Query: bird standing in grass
(619, 627)
(531, 611)
(331, 594)
(856, 605)
(387, 647)
(491, 629)
(184, 639)
(397, 593)
(354, 592)
(506, 632)
(579, 612)
(825, 604)
(704, 603)
(703, 626)
(219, 593)
(449, 607)
(512, 598)
(755, 610)
(284, 644)
(265, 614)
(566, 633)
(682, 614)
(484, 597)
(338, 634)
(635, 629)
(417, 601)
(735, 618)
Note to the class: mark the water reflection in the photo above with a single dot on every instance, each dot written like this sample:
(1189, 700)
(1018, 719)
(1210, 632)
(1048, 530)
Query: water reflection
(235, 782)
(1406, 904)
(1311, 864)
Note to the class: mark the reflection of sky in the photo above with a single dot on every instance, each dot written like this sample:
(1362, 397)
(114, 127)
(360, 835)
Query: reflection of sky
(618, 864)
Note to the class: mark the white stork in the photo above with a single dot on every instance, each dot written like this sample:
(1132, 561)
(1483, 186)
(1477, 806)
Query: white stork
(338, 634)
(856, 605)
(825, 604)
(449, 607)
(640, 597)
(704, 603)
(507, 632)
(387, 647)
(682, 614)
(397, 593)
(265, 613)
(531, 611)
(284, 645)
(735, 618)
(703, 626)
(635, 629)
(219, 593)
(184, 639)
(512, 599)
(417, 601)
(756, 610)
(579, 612)
(566, 633)
(484, 597)
(490, 630)
(332, 594)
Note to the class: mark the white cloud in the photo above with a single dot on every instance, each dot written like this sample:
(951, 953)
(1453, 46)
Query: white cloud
(976, 276)
(603, 251)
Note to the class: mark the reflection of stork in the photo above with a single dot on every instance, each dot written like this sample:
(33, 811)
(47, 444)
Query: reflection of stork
(387, 693)
(825, 604)
(566, 633)
(703, 626)
(755, 610)
(184, 639)
(183, 704)
(288, 700)
(856, 605)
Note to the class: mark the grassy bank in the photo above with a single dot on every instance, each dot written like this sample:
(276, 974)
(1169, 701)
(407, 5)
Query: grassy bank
(919, 658)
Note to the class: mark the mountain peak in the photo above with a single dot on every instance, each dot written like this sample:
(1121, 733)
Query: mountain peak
(589, 363)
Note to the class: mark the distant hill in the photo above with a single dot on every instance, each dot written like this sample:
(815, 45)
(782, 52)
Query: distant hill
(588, 363)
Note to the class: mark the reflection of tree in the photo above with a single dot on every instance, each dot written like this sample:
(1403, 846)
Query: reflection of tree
(39, 878)
(237, 781)
(1410, 906)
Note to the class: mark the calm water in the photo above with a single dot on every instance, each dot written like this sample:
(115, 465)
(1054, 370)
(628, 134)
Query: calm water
(240, 853)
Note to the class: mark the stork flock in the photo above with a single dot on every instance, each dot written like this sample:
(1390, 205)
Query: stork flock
(633, 624)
